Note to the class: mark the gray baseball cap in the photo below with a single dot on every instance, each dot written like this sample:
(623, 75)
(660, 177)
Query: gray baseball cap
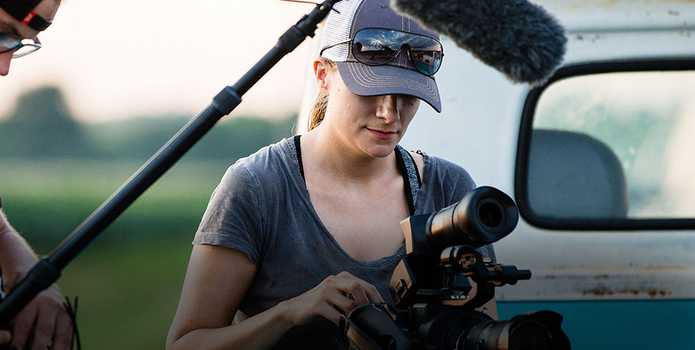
(399, 77)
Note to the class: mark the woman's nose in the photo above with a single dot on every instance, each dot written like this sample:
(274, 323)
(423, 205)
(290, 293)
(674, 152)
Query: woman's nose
(388, 108)
(5, 60)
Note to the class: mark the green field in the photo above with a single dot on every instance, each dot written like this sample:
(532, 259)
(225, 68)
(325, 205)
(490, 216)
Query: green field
(129, 279)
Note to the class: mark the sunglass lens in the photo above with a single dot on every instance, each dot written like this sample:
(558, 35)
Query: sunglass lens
(425, 53)
(426, 61)
(374, 47)
(381, 46)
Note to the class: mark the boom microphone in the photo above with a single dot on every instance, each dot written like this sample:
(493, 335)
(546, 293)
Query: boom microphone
(519, 39)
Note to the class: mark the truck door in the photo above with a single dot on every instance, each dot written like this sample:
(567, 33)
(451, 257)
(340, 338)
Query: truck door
(600, 161)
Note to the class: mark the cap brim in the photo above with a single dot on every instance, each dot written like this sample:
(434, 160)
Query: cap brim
(366, 80)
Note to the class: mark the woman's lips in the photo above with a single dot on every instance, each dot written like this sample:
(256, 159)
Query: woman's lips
(383, 135)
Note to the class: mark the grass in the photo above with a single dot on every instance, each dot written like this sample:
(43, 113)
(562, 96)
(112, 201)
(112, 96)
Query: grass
(128, 292)
(129, 279)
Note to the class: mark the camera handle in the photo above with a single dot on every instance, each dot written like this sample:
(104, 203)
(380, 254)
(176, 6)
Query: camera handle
(462, 262)
(48, 270)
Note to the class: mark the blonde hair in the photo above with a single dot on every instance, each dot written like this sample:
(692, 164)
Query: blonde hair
(318, 112)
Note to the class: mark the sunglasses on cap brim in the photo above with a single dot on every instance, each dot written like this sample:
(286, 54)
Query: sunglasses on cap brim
(378, 46)
(23, 11)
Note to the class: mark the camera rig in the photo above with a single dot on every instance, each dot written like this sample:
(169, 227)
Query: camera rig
(444, 278)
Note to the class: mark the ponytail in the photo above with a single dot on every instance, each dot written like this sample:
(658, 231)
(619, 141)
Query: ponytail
(318, 112)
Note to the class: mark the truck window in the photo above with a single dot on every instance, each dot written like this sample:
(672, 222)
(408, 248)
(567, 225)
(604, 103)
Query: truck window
(614, 146)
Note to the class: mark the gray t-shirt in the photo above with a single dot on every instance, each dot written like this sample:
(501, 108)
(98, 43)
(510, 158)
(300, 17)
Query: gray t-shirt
(262, 208)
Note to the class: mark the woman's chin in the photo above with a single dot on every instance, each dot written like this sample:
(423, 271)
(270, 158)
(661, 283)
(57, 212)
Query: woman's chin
(380, 151)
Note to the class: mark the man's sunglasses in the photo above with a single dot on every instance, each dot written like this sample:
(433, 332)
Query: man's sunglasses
(17, 46)
(376, 47)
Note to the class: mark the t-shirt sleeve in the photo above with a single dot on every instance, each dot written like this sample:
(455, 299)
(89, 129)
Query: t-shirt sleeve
(233, 218)
(460, 182)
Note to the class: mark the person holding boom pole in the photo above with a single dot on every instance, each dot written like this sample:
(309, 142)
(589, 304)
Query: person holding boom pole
(46, 319)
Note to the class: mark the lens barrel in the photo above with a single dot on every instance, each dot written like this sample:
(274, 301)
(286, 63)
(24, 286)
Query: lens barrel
(537, 331)
(485, 215)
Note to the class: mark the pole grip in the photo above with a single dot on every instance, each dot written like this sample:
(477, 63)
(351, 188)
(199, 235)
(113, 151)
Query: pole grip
(40, 277)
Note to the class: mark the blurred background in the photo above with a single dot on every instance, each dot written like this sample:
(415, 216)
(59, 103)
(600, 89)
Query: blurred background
(113, 82)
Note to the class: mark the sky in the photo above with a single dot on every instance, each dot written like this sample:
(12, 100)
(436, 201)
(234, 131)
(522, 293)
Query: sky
(129, 58)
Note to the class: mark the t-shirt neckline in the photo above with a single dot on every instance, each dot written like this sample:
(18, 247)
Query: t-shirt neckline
(304, 193)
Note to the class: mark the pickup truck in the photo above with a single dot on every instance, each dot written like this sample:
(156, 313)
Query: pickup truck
(600, 161)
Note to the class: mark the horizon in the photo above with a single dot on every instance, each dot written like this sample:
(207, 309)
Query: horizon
(120, 72)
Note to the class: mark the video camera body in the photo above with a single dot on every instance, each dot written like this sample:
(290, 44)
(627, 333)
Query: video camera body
(443, 279)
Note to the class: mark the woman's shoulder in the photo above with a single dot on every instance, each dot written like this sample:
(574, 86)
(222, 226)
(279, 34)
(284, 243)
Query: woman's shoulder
(442, 170)
(268, 162)
(262, 173)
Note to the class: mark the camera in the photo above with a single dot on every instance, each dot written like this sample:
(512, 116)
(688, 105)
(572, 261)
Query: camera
(444, 278)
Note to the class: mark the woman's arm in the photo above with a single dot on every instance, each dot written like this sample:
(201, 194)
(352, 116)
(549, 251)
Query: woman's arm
(217, 280)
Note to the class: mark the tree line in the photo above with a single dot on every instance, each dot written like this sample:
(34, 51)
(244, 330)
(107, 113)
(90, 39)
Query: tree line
(41, 126)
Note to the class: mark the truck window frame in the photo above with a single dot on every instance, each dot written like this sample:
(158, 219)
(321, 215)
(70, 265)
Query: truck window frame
(681, 63)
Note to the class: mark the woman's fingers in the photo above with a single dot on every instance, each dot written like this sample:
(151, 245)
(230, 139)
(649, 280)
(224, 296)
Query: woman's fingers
(335, 297)
(359, 295)
(340, 301)
(362, 291)
(330, 313)
(373, 293)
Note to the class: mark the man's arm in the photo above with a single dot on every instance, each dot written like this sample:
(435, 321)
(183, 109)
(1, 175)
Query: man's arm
(46, 316)
(16, 257)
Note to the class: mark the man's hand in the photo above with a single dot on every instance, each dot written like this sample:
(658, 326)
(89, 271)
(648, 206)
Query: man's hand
(46, 320)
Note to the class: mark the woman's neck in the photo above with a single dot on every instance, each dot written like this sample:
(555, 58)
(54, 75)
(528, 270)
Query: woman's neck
(335, 157)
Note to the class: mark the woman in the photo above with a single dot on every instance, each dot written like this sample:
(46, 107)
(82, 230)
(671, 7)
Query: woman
(309, 227)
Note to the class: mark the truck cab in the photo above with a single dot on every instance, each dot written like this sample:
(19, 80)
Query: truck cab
(599, 160)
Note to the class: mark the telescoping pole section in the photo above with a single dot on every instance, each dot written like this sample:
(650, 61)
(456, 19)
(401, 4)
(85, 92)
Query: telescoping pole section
(48, 270)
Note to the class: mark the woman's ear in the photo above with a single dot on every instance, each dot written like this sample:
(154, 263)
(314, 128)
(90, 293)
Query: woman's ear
(321, 70)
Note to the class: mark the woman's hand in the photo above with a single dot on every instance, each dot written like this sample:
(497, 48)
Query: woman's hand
(331, 299)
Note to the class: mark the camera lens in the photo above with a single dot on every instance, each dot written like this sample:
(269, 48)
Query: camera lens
(529, 335)
(490, 213)
(511, 335)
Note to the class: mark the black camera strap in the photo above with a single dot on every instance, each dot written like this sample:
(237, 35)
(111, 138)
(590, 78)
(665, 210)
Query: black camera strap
(411, 176)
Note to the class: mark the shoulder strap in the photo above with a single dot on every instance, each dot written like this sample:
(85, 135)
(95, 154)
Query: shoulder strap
(298, 149)
(411, 177)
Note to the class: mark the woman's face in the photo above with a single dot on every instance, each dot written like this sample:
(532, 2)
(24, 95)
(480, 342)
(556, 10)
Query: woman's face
(371, 124)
